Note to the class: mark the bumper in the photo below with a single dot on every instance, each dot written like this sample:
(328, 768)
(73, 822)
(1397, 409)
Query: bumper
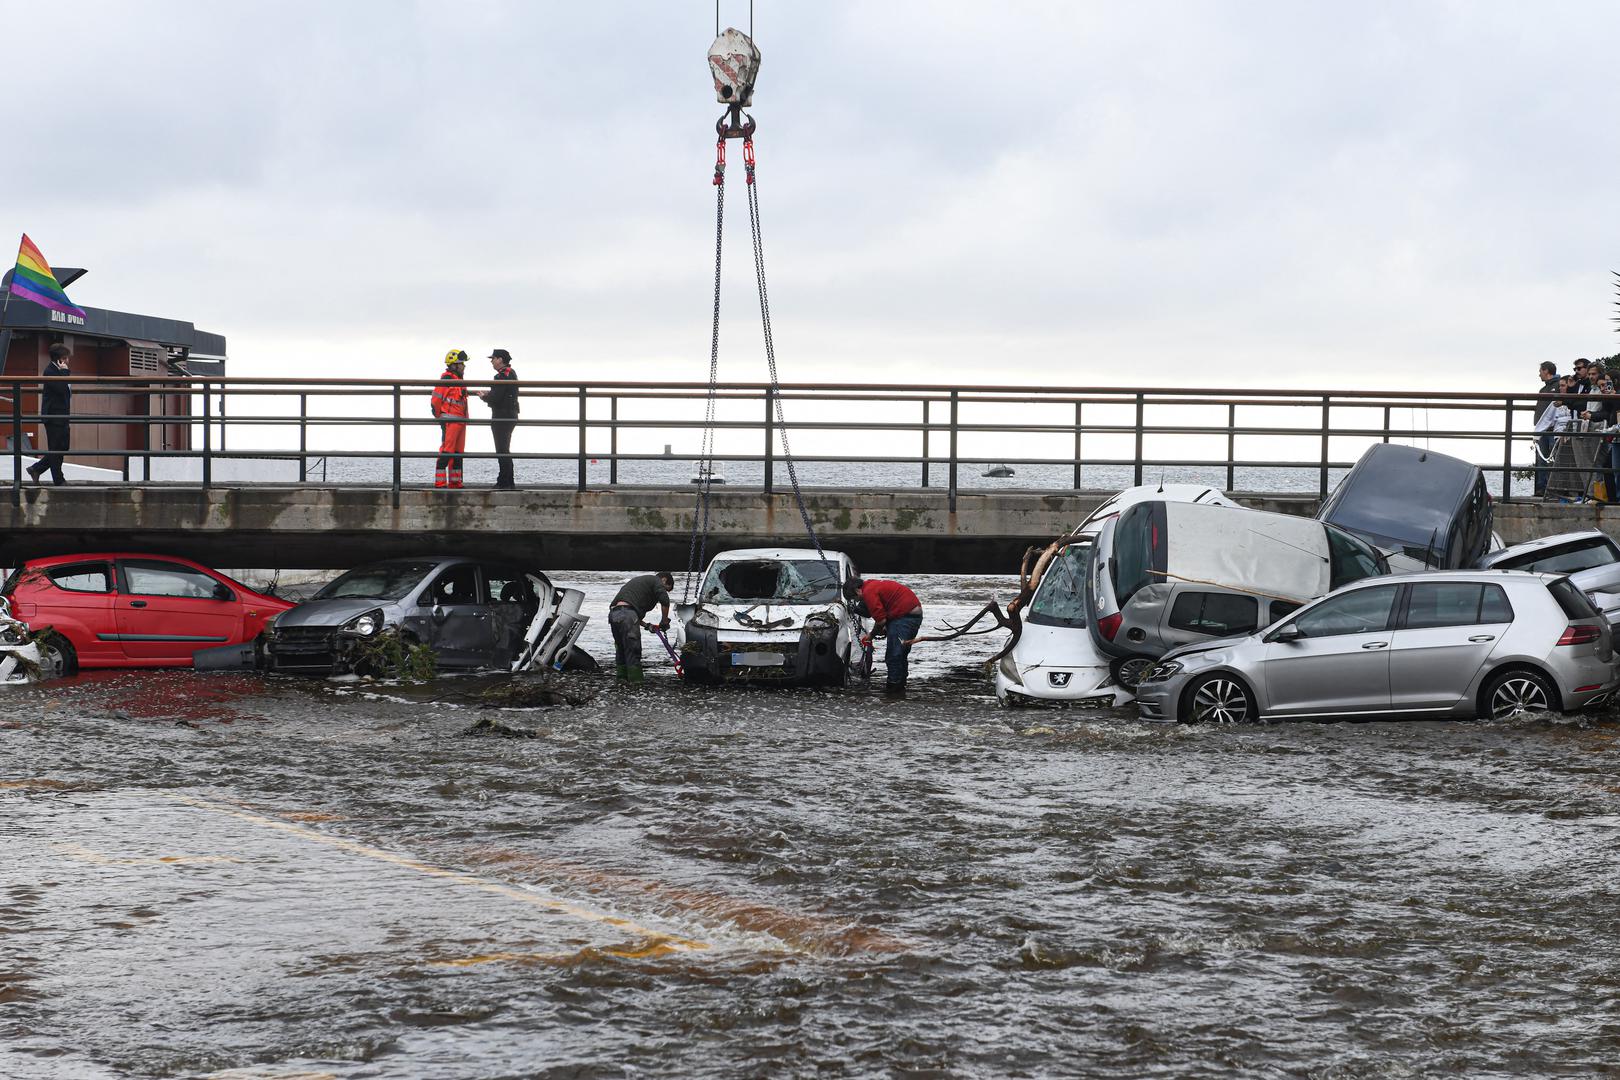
(1159, 702)
(309, 651)
(1081, 689)
(813, 658)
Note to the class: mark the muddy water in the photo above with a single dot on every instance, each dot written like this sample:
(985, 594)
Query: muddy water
(232, 876)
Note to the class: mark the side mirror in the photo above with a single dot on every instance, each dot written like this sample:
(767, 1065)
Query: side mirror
(1287, 634)
(223, 592)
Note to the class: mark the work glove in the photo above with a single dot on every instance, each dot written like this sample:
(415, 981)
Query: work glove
(663, 624)
(866, 641)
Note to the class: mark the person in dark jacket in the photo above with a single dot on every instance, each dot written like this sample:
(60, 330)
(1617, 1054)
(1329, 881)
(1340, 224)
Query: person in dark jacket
(56, 399)
(1544, 443)
(625, 618)
(503, 409)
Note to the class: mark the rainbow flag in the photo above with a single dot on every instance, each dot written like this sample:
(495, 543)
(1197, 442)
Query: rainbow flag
(33, 280)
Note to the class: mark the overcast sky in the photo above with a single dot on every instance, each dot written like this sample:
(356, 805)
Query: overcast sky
(1237, 194)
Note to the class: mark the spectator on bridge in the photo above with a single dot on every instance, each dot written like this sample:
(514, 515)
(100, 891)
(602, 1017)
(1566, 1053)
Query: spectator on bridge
(503, 410)
(1583, 376)
(450, 410)
(896, 614)
(1544, 442)
(55, 399)
(638, 597)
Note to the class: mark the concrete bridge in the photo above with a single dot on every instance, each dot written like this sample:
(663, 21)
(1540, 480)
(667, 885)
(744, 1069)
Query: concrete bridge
(618, 528)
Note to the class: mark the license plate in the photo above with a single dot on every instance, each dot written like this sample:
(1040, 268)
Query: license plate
(757, 659)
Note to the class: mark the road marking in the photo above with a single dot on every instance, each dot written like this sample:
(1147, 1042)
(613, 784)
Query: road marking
(84, 854)
(659, 943)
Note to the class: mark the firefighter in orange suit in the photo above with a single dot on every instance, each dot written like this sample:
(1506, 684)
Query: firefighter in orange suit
(450, 410)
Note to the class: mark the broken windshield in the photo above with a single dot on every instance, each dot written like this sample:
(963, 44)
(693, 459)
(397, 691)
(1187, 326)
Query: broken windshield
(1061, 598)
(797, 581)
(383, 581)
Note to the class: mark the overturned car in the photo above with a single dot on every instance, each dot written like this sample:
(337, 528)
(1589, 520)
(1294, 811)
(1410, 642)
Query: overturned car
(471, 613)
(771, 615)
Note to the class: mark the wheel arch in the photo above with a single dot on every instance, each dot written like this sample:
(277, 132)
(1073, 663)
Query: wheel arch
(1184, 699)
(1514, 664)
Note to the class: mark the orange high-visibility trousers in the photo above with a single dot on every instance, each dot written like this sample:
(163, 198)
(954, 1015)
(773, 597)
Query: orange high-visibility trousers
(447, 470)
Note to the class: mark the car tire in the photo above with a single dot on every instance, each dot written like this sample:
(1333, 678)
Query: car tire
(1510, 694)
(56, 655)
(1220, 699)
(1128, 671)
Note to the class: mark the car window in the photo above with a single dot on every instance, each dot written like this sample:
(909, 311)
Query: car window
(456, 585)
(382, 581)
(1061, 598)
(1138, 536)
(788, 581)
(1360, 612)
(167, 579)
(1576, 604)
(82, 577)
(1444, 603)
(506, 585)
(1494, 606)
(1218, 614)
(1350, 558)
(1563, 559)
(1283, 608)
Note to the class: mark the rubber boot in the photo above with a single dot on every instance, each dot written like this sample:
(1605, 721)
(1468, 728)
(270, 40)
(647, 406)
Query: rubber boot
(633, 674)
(620, 672)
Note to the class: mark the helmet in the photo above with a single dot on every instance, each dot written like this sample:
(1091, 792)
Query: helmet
(455, 356)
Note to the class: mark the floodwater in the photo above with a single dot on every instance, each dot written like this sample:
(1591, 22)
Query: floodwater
(230, 876)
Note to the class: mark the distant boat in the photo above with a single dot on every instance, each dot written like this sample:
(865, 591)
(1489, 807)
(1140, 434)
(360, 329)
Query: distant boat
(998, 470)
(711, 473)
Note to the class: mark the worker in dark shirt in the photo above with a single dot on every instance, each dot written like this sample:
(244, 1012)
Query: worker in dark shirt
(503, 409)
(56, 405)
(638, 597)
(896, 614)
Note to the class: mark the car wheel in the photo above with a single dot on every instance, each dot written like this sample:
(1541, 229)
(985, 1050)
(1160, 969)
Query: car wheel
(56, 656)
(1130, 671)
(1220, 699)
(1514, 693)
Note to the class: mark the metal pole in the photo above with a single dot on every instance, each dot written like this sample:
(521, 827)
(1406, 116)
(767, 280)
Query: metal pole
(397, 461)
(1077, 420)
(582, 438)
(1507, 449)
(1231, 446)
(1140, 408)
(951, 490)
(208, 440)
(303, 438)
(16, 444)
(1322, 483)
(1386, 423)
(613, 441)
(770, 440)
(925, 444)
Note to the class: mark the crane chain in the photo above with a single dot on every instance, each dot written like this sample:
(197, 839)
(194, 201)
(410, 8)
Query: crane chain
(698, 550)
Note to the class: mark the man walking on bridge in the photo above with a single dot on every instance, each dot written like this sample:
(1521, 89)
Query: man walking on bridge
(55, 404)
(896, 613)
(450, 410)
(638, 596)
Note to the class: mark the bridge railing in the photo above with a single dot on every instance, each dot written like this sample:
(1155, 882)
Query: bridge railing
(366, 432)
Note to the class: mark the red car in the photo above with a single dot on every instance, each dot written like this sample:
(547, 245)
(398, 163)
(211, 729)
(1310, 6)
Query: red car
(129, 610)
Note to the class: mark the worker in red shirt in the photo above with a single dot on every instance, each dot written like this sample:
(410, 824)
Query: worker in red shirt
(450, 410)
(896, 614)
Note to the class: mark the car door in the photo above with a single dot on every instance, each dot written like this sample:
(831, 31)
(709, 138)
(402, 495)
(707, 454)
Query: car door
(78, 603)
(165, 611)
(512, 605)
(1446, 633)
(459, 627)
(1340, 664)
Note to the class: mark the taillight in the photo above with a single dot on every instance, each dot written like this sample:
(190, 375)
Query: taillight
(1109, 625)
(1572, 635)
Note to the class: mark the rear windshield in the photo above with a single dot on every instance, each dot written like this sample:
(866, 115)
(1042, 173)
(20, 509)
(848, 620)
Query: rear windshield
(1575, 603)
(784, 581)
(1404, 500)
(1138, 536)
(1060, 600)
(1563, 559)
(384, 581)
(1350, 558)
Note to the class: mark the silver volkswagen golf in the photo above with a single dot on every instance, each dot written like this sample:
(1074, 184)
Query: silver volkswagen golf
(1493, 643)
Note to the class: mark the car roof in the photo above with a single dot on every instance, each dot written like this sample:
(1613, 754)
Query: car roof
(1544, 542)
(775, 553)
(1451, 575)
(107, 556)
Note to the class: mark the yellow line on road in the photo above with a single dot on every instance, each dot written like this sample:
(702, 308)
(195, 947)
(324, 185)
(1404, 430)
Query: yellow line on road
(84, 854)
(659, 942)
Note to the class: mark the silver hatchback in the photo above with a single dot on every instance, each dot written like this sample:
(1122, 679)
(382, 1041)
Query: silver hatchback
(1493, 643)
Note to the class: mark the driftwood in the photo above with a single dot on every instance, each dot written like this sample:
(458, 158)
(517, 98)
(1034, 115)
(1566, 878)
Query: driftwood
(1030, 572)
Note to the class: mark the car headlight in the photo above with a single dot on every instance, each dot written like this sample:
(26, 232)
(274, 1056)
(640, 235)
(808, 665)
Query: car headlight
(705, 617)
(1010, 669)
(365, 625)
(1161, 671)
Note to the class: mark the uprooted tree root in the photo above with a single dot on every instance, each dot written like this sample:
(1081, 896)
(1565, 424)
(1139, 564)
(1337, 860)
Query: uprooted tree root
(547, 690)
(391, 656)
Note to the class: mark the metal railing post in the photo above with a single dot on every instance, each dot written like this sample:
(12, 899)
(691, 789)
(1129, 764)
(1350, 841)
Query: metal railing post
(398, 462)
(1231, 445)
(303, 438)
(1077, 430)
(770, 440)
(1140, 409)
(1507, 448)
(582, 429)
(208, 439)
(613, 441)
(1322, 481)
(16, 444)
(925, 443)
(1386, 423)
(951, 490)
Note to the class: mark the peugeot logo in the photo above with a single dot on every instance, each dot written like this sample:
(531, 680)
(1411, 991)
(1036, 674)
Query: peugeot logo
(1059, 679)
